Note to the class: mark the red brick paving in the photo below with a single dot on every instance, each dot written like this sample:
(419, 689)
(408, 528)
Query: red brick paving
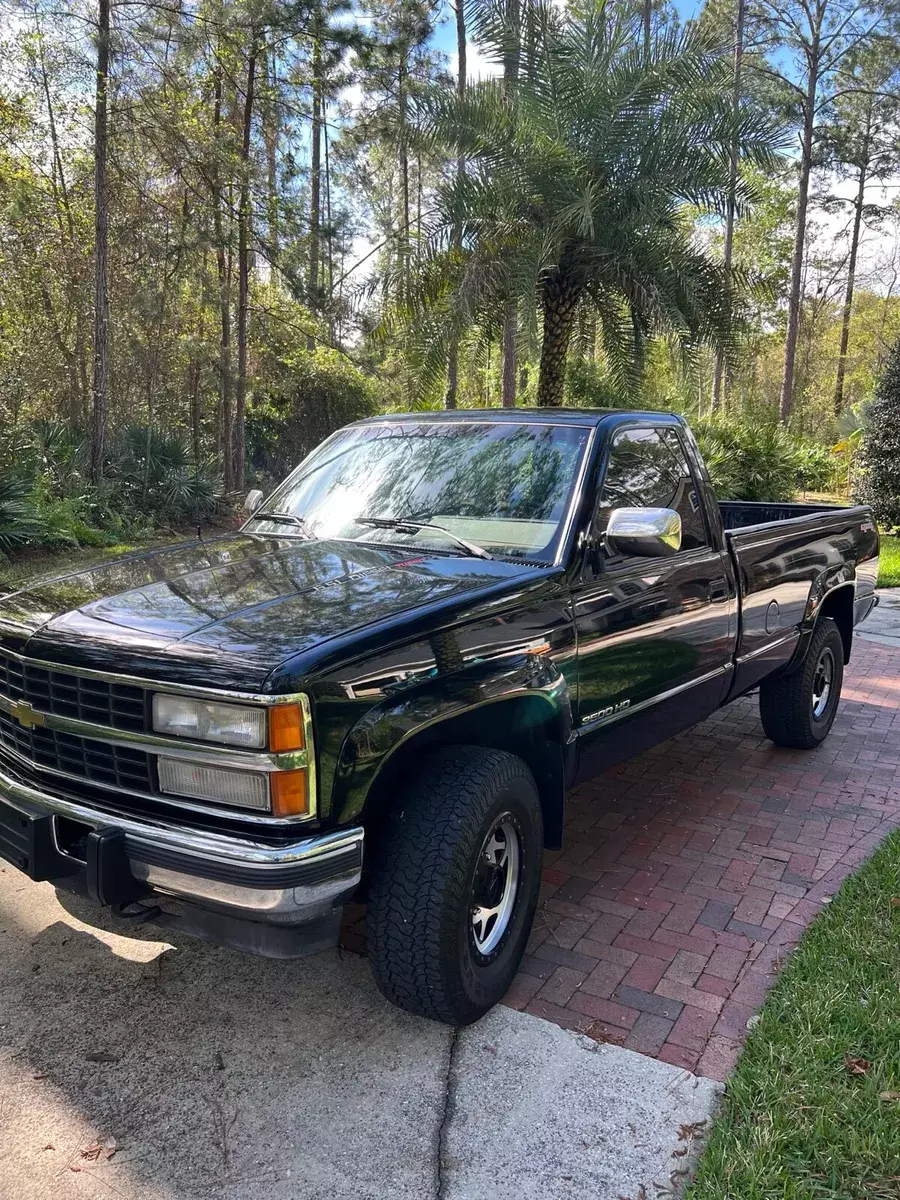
(690, 872)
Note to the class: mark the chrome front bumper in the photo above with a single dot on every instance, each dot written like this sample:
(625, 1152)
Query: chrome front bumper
(290, 884)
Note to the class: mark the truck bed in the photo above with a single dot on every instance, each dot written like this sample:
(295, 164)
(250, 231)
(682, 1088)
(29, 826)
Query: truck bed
(739, 514)
(786, 557)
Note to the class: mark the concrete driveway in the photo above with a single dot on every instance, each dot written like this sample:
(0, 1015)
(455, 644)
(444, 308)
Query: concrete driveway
(131, 1067)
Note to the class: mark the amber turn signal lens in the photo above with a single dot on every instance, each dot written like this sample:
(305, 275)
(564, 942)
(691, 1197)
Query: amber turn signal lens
(290, 793)
(285, 727)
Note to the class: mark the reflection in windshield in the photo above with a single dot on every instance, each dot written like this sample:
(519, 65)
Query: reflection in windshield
(502, 486)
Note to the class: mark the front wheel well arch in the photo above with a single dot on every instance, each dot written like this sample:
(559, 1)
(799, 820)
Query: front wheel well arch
(519, 725)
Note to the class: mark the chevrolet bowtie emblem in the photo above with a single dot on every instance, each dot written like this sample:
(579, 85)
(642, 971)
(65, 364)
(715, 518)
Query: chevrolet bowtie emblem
(21, 711)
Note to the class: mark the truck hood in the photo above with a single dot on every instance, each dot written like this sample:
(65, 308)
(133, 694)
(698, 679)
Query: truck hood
(234, 608)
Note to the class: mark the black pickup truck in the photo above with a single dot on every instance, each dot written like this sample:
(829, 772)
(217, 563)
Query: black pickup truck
(383, 685)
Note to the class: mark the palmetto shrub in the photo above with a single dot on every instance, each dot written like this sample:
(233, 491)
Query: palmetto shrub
(19, 523)
(760, 460)
(153, 471)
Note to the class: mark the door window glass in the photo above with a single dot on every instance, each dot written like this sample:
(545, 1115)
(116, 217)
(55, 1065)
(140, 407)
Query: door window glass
(648, 469)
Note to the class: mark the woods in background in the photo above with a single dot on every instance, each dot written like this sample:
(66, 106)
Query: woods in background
(228, 226)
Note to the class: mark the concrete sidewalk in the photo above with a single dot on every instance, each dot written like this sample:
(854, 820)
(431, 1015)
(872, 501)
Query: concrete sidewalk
(883, 623)
(214, 1074)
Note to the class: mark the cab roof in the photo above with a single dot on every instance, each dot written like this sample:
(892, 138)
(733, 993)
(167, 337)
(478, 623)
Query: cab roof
(555, 416)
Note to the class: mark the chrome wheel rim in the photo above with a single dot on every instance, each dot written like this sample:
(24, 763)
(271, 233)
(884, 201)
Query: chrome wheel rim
(823, 683)
(495, 885)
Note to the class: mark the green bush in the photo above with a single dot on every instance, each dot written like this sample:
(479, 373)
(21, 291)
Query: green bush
(152, 473)
(66, 522)
(19, 523)
(761, 460)
(818, 467)
(319, 392)
(150, 480)
(588, 385)
(878, 481)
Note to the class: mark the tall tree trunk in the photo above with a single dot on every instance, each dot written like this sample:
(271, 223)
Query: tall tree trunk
(153, 363)
(223, 272)
(403, 151)
(270, 136)
(315, 175)
(453, 356)
(508, 378)
(452, 374)
(559, 304)
(851, 266)
(647, 19)
(511, 319)
(328, 275)
(194, 393)
(732, 188)
(76, 360)
(794, 295)
(418, 206)
(244, 222)
(100, 414)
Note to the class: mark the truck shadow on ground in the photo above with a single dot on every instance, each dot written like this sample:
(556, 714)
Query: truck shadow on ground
(216, 1073)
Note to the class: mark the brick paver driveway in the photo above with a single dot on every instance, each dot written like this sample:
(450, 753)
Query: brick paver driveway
(688, 873)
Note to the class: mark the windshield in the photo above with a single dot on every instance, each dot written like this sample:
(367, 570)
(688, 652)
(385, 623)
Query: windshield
(504, 487)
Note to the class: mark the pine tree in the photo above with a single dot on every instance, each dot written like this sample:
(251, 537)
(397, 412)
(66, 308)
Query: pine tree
(880, 477)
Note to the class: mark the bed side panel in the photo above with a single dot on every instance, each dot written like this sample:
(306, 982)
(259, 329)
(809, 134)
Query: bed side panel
(780, 567)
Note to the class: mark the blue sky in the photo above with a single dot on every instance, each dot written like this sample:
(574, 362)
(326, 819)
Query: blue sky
(875, 244)
(445, 34)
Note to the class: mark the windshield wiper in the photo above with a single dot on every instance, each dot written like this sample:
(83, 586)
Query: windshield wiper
(405, 525)
(283, 518)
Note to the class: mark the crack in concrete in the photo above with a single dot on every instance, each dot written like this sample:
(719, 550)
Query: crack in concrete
(441, 1174)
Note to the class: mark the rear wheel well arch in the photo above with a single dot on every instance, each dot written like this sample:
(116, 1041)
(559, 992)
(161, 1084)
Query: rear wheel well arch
(520, 725)
(838, 604)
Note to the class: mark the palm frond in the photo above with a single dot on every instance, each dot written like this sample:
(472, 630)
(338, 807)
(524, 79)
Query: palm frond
(590, 169)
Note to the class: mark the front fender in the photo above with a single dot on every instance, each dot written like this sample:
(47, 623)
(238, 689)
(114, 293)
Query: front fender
(477, 693)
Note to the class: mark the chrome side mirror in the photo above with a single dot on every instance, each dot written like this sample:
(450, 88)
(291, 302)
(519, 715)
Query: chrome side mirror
(648, 532)
(253, 501)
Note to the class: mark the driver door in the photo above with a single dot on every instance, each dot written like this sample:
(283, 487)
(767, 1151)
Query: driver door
(654, 635)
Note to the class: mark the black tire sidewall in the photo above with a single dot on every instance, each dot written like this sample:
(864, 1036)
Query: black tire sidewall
(785, 702)
(484, 981)
(829, 638)
(421, 896)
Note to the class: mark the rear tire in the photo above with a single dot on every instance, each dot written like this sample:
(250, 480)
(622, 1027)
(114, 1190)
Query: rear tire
(798, 710)
(455, 884)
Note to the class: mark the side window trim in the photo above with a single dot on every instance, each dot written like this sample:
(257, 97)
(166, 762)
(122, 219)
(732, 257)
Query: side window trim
(624, 562)
(698, 485)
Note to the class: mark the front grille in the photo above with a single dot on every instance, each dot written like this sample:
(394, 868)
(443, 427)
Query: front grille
(98, 762)
(76, 696)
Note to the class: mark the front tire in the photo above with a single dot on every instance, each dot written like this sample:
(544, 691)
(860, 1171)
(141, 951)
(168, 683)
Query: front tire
(798, 710)
(455, 884)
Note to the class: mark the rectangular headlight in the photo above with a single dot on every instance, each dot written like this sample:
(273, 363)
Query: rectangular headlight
(209, 721)
(246, 789)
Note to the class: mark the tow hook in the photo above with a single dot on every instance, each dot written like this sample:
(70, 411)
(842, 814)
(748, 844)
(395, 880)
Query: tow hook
(136, 912)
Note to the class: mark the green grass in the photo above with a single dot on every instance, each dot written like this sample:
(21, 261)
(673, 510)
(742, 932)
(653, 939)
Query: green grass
(798, 1123)
(889, 563)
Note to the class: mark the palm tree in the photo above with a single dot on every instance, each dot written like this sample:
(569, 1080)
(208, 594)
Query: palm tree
(583, 187)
